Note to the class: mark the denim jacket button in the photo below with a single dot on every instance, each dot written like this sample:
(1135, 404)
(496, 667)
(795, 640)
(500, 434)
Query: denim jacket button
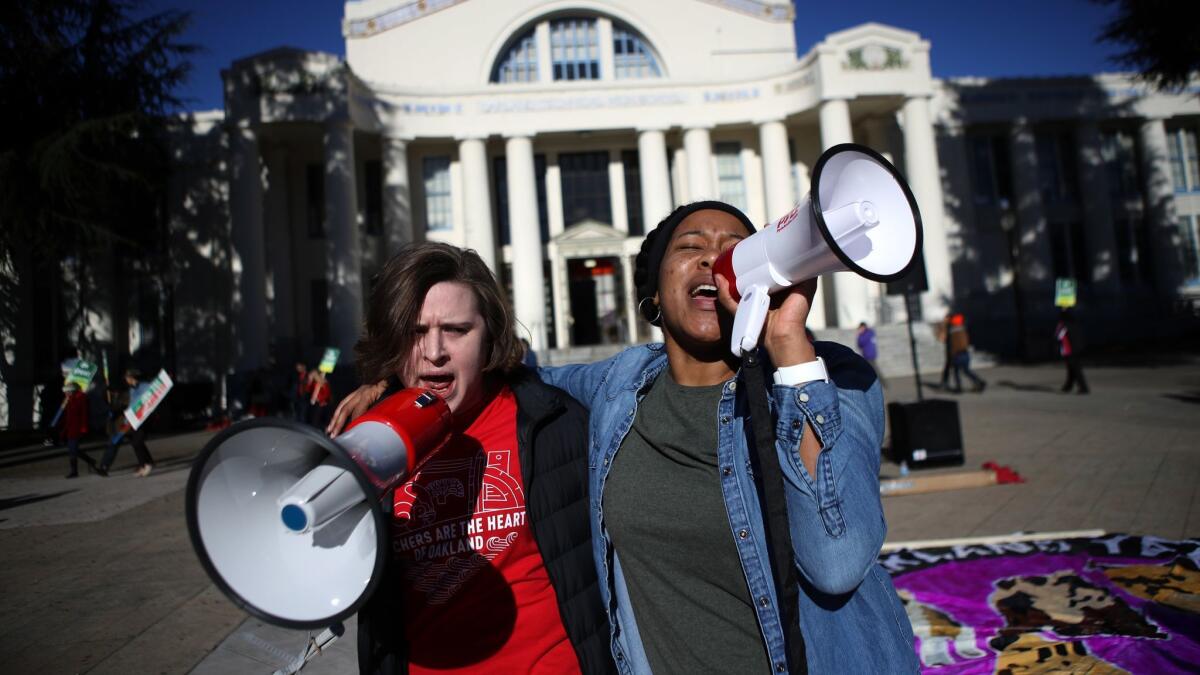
(763, 602)
(726, 471)
(780, 668)
(803, 397)
(733, 386)
(725, 419)
(820, 419)
(743, 533)
(795, 424)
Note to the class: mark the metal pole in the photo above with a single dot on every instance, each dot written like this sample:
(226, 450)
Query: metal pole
(912, 344)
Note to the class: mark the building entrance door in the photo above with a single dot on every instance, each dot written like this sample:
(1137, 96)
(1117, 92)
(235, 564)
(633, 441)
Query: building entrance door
(597, 301)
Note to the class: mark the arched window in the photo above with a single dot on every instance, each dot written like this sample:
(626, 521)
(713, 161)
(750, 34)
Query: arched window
(518, 63)
(575, 49)
(632, 57)
(571, 47)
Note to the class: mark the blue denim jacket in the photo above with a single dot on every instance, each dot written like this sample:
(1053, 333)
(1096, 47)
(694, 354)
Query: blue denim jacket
(850, 615)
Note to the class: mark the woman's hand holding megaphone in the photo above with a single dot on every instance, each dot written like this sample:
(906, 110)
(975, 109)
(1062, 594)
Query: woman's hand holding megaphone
(783, 334)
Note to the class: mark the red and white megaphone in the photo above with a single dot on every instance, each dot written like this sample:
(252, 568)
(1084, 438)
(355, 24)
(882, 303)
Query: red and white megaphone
(291, 524)
(859, 216)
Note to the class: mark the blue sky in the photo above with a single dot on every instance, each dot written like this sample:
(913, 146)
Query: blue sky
(988, 38)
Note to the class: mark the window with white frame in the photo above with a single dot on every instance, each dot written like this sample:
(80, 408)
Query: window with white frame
(1189, 235)
(1185, 168)
(632, 57)
(439, 213)
(1056, 166)
(731, 185)
(991, 169)
(1119, 155)
(519, 62)
(575, 49)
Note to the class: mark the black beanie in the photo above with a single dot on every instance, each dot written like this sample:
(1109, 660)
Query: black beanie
(654, 247)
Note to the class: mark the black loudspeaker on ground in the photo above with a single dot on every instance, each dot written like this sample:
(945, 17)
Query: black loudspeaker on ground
(926, 433)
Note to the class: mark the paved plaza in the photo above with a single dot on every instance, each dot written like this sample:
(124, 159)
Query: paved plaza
(98, 574)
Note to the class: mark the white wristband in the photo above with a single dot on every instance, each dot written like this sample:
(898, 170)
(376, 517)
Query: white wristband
(801, 373)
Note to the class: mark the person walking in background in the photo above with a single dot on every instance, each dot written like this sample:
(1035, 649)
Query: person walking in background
(298, 393)
(318, 399)
(75, 427)
(529, 358)
(137, 437)
(959, 342)
(1067, 334)
(942, 333)
(866, 347)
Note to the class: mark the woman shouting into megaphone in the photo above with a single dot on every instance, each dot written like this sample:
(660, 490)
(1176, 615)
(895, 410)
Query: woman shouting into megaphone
(735, 525)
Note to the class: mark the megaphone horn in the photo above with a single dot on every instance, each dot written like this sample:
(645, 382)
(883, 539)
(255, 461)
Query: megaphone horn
(859, 216)
(291, 524)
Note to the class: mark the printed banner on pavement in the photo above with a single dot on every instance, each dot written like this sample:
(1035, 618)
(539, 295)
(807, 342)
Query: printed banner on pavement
(1112, 604)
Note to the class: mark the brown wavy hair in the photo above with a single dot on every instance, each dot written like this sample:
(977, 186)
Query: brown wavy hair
(398, 292)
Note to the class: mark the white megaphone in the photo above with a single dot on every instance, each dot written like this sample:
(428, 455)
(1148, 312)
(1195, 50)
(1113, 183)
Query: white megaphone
(291, 524)
(859, 216)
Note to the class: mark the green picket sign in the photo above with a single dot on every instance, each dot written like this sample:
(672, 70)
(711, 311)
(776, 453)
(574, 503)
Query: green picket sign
(329, 361)
(1064, 293)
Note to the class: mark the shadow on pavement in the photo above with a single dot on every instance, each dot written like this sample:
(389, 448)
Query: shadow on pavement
(1009, 384)
(13, 502)
(1186, 397)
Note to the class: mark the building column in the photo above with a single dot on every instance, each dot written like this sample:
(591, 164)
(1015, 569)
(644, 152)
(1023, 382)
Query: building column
(655, 177)
(281, 282)
(558, 288)
(246, 216)
(528, 279)
(345, 252)
(777, 170)
(925, 180)
(479, 230)
(1160, 205)
(1100, 235)
(397, 195)
(554, 203)
(851, 296)
(616, 192)
(698, 145)
(630, 298)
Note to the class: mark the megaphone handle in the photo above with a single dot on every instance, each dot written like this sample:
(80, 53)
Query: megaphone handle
(749, 318)
(314, 648)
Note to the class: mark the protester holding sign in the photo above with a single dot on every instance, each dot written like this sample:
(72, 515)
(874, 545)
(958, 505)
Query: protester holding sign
(75, 427)
(1068, 348)
(141, 403)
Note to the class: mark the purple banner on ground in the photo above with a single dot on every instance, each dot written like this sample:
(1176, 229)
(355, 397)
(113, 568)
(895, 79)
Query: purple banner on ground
(1113, 604)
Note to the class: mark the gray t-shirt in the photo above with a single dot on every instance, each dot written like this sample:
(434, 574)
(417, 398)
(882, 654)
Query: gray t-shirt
(666, 515)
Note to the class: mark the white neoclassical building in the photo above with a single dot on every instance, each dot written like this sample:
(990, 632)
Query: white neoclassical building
(550, 136)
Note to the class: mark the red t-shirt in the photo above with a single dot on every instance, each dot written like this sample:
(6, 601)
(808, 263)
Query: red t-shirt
(477, 596)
